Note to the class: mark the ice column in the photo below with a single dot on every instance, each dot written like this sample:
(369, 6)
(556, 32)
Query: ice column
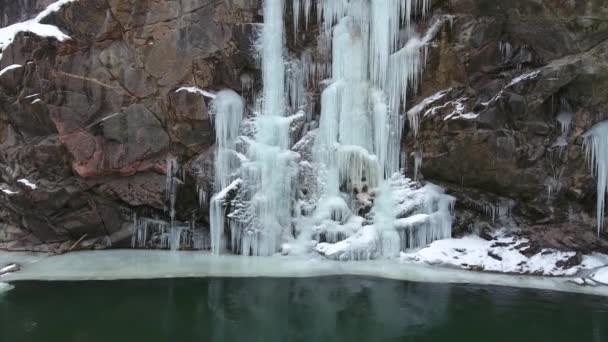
(273, 167)
(227, 109)
(596, 149)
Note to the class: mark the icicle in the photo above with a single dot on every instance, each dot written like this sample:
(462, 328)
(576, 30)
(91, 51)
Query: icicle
(384, 221)
(405, 67)
(168, 235)
(565, 117)
(217, 215)
(296, 81)
(307, 10)
(216, 222)
(596, 149)
(171, 183)
(247, 86)
(273, 69)
(227, 109)
(384, 23)
(506, 51)
(417, 164)
(296, 8)
(357, 167)
(387, 133)
(328, 11)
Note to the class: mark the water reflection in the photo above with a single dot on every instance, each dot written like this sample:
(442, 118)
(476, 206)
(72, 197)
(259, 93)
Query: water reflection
(313, 309)
(316, 309)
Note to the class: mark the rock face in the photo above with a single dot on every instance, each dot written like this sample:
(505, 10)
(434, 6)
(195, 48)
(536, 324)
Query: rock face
(92, 120)
(510, 72)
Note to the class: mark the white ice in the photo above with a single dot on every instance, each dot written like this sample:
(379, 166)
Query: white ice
(473, 252)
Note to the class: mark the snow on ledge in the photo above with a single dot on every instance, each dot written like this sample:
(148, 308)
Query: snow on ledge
(501, 255)
(8, 34)
(9, 191)
(27, 183)
(10, 67)
(197, 90)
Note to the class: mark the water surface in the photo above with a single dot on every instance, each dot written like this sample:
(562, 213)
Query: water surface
(337, 308)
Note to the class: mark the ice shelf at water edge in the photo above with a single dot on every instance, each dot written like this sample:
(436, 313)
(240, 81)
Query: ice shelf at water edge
(129, 264)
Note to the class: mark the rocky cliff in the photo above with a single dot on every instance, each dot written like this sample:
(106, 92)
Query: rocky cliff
(92, 120)
(509, 89)
(516, 85)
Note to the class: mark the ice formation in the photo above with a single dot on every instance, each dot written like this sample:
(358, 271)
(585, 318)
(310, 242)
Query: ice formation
(596, 149)
(150, 232)
(227, 109)
(287, 183)
(506, 51)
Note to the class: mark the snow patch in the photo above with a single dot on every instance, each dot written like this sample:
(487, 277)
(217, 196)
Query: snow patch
(27, 183)
(9, 192)
(10, 67)
(197, 90)
(9, 268)
(501, 255)
(458, 112)
(525, 77)
(361, 246)
(600, 276)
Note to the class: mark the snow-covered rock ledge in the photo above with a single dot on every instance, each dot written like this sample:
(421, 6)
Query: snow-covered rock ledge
(140, 264)
(504, 254)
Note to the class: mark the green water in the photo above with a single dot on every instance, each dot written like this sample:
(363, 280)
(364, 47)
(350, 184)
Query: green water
(313, 309)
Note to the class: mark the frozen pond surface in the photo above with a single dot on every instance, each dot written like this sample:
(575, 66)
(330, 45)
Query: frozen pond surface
(139, 264)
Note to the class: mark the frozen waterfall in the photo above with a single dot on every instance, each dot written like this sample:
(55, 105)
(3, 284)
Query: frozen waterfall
(333, 186)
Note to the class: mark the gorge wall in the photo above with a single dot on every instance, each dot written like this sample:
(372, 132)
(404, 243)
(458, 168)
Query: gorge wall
(92, 120)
